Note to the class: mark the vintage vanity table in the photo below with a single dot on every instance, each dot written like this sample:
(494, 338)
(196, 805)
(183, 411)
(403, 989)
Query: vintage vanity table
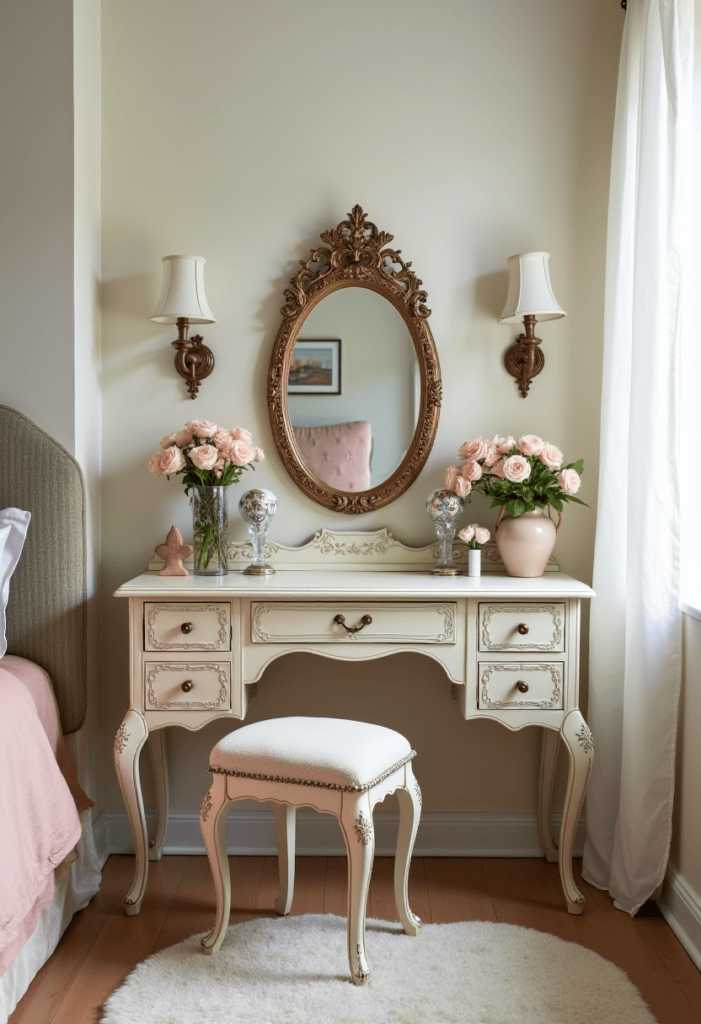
(510, 646)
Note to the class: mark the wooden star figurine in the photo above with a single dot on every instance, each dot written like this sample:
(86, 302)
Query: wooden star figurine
(173, 551)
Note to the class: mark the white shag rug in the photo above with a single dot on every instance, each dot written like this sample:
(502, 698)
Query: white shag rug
(294, 970)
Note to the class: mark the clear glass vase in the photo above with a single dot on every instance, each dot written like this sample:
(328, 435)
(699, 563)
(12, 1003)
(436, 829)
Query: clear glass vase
(210, 523)
(445, 508)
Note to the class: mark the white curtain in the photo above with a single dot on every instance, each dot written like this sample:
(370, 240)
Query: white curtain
(636, 623)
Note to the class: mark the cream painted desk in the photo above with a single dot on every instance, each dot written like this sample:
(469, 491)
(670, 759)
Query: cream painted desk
(510, 645)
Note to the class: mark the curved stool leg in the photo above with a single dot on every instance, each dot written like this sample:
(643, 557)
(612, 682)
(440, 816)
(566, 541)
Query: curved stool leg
(409, 815)
(579, 742)
(213, 815)
(285, 820)
(548, 759)
(359, 834)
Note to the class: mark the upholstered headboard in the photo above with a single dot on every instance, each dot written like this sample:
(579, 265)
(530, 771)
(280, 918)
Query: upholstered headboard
(46, 615)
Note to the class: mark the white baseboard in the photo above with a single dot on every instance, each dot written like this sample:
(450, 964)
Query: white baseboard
(441, 834)
(681, 907)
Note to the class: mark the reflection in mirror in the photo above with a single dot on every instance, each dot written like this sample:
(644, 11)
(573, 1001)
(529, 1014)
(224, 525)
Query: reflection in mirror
(354, 389)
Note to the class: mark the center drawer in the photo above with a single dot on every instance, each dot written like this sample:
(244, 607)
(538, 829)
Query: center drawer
(521, 627)
(187, 686)
(398, 622)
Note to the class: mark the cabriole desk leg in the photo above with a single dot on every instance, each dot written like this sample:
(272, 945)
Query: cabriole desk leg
(130, 738)
(579, 742)
(159, 762)
(548, 758)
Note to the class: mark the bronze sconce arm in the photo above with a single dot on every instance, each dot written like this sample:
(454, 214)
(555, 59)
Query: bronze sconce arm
(524, 359)
(193, 360)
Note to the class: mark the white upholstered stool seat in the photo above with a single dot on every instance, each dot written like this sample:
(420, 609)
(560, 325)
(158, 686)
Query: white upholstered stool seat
(328, 752)
(336, 766)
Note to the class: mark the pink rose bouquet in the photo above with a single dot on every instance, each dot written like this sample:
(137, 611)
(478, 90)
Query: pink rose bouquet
(521, 476)
(206, 455)
(474, 536)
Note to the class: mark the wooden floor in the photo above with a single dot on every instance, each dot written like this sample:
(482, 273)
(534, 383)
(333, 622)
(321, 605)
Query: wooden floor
(102, 945)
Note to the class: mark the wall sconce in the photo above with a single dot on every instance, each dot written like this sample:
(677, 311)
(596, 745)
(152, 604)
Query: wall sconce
(531, 297)
(183, 302)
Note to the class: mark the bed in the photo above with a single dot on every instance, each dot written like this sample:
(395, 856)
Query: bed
(50, 866)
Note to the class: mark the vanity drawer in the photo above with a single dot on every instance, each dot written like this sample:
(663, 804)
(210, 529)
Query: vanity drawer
(398, 622)
(521, 627)
(188, 687)
(187, 627)
(513, 685)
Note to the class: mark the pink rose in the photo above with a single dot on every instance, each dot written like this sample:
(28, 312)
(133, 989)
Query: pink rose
(503, 444)
(221, 438)
(183, 437)
(201, 428)
(241, 434)
(529, 444)
(259, 456)
(498, 469)
(471, 471)
(169, 461)
(517, 469)
(462, 487)
(551, 456)
(205, 456)
(168, 440)
(569, 481)
(482, 534)
(473, 450)
(492, 455)
(451, 475)
(240, 452)
(467, 533)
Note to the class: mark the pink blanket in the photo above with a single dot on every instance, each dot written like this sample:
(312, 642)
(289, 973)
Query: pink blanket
(39, 823)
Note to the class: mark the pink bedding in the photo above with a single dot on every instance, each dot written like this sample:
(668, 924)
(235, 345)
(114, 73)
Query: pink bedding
(39, 801)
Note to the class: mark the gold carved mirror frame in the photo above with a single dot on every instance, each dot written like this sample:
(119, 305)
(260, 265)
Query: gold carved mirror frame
(355, 256)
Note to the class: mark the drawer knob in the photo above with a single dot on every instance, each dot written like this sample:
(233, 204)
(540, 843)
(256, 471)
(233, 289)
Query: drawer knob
(187, 686)
(521, 686)
(341, 620)
(522, 628)
(187, 627)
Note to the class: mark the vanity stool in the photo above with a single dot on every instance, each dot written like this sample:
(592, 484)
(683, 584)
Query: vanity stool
(336, 766)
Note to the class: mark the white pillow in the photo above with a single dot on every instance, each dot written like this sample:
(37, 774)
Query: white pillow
(13, 530)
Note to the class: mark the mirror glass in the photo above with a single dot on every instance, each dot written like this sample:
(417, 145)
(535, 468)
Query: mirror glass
(354, 389)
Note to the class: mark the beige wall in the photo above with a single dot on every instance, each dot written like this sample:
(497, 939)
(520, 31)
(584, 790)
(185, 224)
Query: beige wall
(50, 116)
(469, 130)
(36, 213)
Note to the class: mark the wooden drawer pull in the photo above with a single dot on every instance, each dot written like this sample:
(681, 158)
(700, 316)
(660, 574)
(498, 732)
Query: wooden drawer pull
(522, 628)
(522, 687)
(187, 627)
(341, 620)
(188, 684)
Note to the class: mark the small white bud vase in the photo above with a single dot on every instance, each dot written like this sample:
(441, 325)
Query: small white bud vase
(474, 562)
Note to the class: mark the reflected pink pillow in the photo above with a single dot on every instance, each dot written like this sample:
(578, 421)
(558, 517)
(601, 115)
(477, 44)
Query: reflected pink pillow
(339, 454)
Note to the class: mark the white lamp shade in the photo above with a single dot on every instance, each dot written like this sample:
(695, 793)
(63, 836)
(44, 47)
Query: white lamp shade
(530, 290)
(183, 294)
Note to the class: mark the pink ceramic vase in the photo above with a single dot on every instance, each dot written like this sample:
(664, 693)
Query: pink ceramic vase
(525, 543)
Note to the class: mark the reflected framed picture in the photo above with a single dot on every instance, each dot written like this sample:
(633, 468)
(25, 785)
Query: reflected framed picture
(315, 367)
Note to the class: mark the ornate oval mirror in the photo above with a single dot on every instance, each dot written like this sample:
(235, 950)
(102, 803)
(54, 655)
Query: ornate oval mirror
(354, 385)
